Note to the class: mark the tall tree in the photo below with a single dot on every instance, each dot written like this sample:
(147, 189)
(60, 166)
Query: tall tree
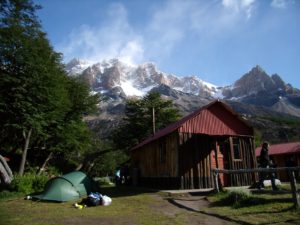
(71, 137)
(142, 117)
(38, 101)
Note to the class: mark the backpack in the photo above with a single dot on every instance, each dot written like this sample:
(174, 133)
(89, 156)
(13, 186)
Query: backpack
(94, 199)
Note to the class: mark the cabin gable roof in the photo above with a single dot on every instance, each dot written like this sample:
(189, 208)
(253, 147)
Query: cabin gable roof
(214, 119)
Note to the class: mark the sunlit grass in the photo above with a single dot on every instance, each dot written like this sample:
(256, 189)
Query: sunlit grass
(143, 206)
(129, 206)
(263, 207)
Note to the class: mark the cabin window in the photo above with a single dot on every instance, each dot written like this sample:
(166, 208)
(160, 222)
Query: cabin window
(236, 147)
(162, 152)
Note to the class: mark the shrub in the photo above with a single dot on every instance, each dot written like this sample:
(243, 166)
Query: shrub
(104, 181)
(5, 194)
(236, 197)
(28, 183)
(39, 182)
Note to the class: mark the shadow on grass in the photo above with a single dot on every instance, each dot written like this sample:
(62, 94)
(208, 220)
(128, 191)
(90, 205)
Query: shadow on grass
(202, 193)
(251, 201)
(246, 203)
(124, 191)
(270, 192)
(225, 218)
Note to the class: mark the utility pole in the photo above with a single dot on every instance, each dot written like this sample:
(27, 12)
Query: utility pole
(153, 120)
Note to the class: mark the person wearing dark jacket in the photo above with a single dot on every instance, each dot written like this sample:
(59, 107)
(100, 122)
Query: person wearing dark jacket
(265, 162)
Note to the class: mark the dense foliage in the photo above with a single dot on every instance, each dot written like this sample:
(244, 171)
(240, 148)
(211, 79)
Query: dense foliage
(40, 106)
(142, 118)
(275, 129)
(29, 183)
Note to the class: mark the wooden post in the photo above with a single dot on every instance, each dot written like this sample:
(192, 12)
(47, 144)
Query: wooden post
(153, 120)
(296, 197)
(181, 183)
(216, 174)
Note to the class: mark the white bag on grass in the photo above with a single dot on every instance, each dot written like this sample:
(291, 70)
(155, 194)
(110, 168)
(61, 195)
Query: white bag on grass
(106, 200)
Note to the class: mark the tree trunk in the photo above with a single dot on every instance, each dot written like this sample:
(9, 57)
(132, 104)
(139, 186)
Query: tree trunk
(24, 153)
(79, 167)
(86, 166)
(90, 167)
(88, 162)
(45, 163)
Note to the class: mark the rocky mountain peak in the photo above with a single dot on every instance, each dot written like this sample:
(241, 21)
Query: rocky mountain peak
(119, 81)
(257, 69)
(76, 66)
(254, 82)
(135, 80)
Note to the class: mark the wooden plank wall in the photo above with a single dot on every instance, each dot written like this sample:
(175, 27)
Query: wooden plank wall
(147, 158)
(195, 154)
(195, 161)
(281, 161)
(248, 161)
(189, 161)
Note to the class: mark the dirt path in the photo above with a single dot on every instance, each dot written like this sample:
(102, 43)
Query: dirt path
(194, 205)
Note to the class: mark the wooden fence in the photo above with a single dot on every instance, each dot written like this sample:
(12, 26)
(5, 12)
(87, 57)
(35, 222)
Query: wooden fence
(291, 170)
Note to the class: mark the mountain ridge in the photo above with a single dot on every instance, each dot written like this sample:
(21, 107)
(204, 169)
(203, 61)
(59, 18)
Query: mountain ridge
(117, 80)
(255, 96)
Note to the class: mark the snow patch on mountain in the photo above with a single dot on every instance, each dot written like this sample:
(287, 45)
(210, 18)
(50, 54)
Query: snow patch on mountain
(136, 80)
(77, 66)
(118, 80)
(130, 90)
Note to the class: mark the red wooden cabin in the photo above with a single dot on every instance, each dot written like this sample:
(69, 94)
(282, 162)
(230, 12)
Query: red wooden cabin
(183, 154)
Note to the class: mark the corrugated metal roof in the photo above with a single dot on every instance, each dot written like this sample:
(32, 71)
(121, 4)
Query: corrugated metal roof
(211, 119)
(285, 148)
(214, 120)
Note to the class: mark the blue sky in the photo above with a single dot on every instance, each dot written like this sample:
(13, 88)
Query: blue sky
(216, 40)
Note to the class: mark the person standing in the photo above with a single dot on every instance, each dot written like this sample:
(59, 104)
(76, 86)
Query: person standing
(118, 180)
(265, 162)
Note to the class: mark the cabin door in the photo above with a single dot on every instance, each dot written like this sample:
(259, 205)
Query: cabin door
(224, 149)
(218, 156)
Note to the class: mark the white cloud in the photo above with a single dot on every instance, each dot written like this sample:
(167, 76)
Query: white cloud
(240, 6)
(114, 39)
(177, 20)
(132, 52)
(280, 4)
(167, 28)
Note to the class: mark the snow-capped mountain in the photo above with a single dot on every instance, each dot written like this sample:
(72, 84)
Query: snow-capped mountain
(128, 80)
(118, 81)
(76, 66)
(256, 95)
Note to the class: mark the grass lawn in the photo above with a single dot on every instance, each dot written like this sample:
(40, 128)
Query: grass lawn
(129, 206)
(262, 207)
(140, 206)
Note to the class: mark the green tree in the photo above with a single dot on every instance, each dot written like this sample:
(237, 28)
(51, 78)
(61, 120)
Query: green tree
(71, 137)
(39, 104)
(142, 118)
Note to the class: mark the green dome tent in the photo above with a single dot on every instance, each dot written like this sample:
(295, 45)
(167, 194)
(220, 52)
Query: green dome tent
(68, 187)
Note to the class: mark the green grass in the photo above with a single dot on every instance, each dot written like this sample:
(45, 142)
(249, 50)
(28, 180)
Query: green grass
(147, 207)
(261, 207)
(129, 206)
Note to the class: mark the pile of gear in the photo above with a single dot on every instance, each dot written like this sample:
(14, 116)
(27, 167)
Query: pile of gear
(93, 199)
